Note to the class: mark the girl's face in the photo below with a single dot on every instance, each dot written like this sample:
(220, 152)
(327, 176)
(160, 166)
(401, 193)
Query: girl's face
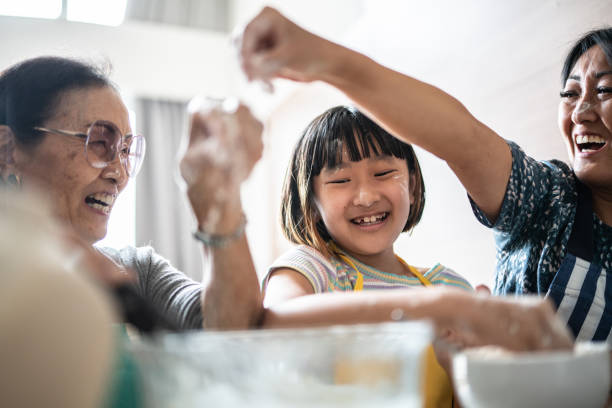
(364, 205)
(585, 118)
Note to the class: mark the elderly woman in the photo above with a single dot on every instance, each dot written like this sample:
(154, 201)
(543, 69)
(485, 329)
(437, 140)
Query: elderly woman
(65, 132)
(553, 222)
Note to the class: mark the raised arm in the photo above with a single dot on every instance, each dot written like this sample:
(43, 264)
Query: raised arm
(223, 147)
(418, 113)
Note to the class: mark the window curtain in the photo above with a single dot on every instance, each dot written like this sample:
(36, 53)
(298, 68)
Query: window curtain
(163, 217)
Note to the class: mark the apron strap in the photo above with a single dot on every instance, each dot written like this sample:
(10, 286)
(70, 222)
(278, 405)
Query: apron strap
(581, 298)
(581, 241)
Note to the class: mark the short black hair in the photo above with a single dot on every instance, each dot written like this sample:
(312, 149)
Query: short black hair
(344, 127)
(600, 36)
(321, 146)
(30, 89)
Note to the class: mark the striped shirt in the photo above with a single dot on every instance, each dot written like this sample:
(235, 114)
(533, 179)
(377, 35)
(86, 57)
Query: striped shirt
(333, 275)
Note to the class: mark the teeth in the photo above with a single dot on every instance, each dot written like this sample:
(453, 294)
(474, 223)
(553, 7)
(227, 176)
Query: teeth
(104, 208)
(101, 201)
(581, 139)
(106, 198)
(370, 220)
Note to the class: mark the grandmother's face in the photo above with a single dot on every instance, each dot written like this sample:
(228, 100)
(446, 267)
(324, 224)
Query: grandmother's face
(79, 194)
(585, 118)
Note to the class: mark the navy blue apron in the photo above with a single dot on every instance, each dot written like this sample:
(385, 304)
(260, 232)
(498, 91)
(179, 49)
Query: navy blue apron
(582, 290)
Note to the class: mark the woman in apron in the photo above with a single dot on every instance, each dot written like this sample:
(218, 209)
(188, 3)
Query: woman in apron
(531, 205)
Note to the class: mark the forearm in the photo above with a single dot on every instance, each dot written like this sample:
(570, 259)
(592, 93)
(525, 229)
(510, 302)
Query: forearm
(350, 308)
(414, 111)
(426, 116)
(224, 145)
(231, 298)
(459, 317)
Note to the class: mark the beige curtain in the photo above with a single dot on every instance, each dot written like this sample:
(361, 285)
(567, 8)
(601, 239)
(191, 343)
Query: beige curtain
(163, 217)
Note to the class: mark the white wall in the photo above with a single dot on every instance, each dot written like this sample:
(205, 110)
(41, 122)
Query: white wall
(147, 59)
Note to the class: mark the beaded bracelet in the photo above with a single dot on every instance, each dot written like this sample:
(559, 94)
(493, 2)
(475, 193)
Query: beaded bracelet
(220, 241)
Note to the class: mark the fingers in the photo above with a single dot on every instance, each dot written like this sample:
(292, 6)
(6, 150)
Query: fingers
(219, 131)
(225, 142)
(203, 114)
(259, 38)
(556, 334)
(266, 65)
(272, 46)
(523, 324)
(483, 289)
(534, 325)
(252, 130)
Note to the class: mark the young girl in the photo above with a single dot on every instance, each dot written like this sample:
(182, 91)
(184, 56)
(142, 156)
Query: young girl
(351, 188)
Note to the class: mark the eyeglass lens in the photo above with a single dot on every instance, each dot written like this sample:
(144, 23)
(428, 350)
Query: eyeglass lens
(104, 141)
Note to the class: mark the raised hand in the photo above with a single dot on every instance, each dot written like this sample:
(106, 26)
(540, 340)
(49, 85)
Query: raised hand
(272, 46)
(224, 144)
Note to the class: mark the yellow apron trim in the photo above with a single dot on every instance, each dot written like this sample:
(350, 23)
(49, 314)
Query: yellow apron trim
(437, 389)
(359, 283)
(412, 269)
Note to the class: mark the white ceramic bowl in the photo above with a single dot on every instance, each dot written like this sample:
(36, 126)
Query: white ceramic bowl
(487, 377)
(357, 366)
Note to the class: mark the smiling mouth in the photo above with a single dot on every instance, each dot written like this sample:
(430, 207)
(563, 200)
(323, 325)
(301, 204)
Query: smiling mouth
(590, 143)
(101, 201)
(370, 220)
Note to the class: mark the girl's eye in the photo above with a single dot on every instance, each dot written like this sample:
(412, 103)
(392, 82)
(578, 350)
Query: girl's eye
(384, 173)
(338, 181)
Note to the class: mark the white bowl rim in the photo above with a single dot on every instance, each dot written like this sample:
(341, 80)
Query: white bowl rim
(580, 350)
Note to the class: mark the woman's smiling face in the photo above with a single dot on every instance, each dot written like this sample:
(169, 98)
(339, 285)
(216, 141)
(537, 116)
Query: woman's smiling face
(79, 194)
(585, 118)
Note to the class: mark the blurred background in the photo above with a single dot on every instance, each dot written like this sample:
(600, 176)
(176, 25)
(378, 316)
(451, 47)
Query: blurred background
(501, 59)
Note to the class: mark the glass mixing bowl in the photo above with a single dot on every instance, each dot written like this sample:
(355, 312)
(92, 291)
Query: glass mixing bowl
(358, 366)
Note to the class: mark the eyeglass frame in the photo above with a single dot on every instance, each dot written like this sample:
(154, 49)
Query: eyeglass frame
(123, 157)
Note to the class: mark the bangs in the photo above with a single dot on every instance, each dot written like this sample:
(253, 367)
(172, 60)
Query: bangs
(338, 134)
(348, 130)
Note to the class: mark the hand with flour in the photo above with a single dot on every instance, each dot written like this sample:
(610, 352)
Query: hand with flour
(223, 146)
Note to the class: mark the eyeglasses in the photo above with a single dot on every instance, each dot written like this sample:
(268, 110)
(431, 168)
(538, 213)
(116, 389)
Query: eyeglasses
(104, 141)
